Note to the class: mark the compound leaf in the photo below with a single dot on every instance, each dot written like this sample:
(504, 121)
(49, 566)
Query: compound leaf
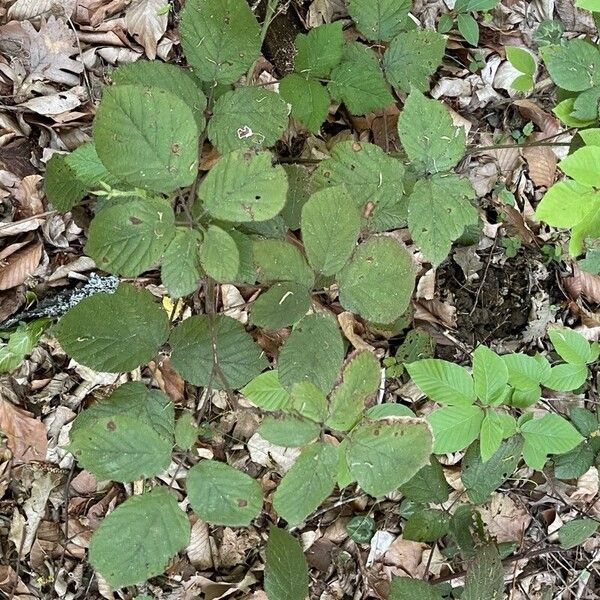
(570, 345)
(289, 431)
(266, 392)
(490, 374)
(320, 50)
(443, 381)
(455, 427)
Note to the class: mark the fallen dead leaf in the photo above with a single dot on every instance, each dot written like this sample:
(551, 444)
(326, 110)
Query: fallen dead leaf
(348, 323)
(31, 9)
(541, 161)
(19, 266)
(582, 283)
(587, 487)
(504, 519)
(199, 549)
(26, 435)
(406, 555)
(147, 21)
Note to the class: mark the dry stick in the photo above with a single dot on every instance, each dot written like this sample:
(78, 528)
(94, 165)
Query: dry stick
(483, 278)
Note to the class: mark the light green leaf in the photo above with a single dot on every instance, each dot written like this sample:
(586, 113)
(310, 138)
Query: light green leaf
(384, 454)
(588, 228)
(281, 261)
(592, 5)
(566, 377)
(114, 332)
(286, 570)
(330, 228)
(289, 431)
(220, 38)
(426, 525)
(378, 280)
(582, 166)
(521, 59)
(428, 485)
(443, 381)
(591, 137)
(485, 578)
(186, 431)
(468, 28)
(575, 532)
(313, 352)
(309, 401)
(491, 435)
(219, 255)
(282, 305)
(243, 186)
(522, 83)
(129, 238)
(247, 117)
(215, 351)
(320, 50)
(308, 98)
(567, 203)
(360, 380)
(406, 588)
(575, 66)
(474, 6)
(266, 392)
(20, 343)
(570, 345)
(307, 484)
(525, 397)
(490, 374)
(524, 372)
(155, 134)
(358, 81)
(180, 265)
(428, 135)
(454, 427)
(388, 409)
(141, 551)
(564, 111)
(379, 20)
(549, 435)
(222, 495)
(413, 57)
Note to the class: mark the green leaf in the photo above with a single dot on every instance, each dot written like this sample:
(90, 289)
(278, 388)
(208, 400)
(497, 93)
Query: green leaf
(168, 77)
(521, 59)
(566, 377)
(443, 381)
(309, 401)
(20, 343)
(522, 83)
(389, 409)
(126, 551)
(129, 238)
(307, 484)
(591, 262)
(286, 571)
(247, 117)
(186, 431)
(282, 305)
(490, 374)
(320, 50)
(575, 66)
(428, 135)
(485, 578)
(524, 371)
(427, 485)
(454, 427)
(474, 6)
(215, 351)
(219, 255)
(220, 38)
(482, 478)
(358, 81)
(570, 345)
(266, 392)
(243, 186)
(300, 188)
(413, 57)
(222, 495)
(549, 435)
(361, 529)
(378, 280)
(289, 431)
(308, 98)
(468, 28)
(114, 332)
(586, 104)
(581, 166)
(330, 228)
(313, 352)
(575, 463)
(592, 5)
(360, 380)
(585, 421)
(575, 532)
(426, 525)
(384, 454)
(281, 261)
(406, 588)
(180, 265)
(491, 435)
(438, 213)
(155, 133)
(379, 20)
(417, 345)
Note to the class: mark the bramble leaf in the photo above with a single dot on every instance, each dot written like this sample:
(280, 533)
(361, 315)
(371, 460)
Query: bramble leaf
(266, 392)
(380, 20)
(281, 261)
(427, 485)
(180, 264)
(320, 50)
(308, 98)
(282, 305)
(289, 431)
(219, 255)
(286, 570)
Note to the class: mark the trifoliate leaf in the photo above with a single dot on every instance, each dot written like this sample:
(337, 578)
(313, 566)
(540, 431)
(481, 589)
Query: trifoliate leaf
(186, 431)
(219, 255)
(220, 38)
(155, 133)
(215, 351)
(379, 20)
(286, 570)
(575, 532)
(308, 98)
(281, 261)
(524, 372)
(289, 431)
(490, 374)
(282, 305)
(575, 66)
(454, 427)
(566, 377)
(580, 166)
(266, 392)
(222, 495)
(180, 265)
(320, 50)
(428, 485)
(485, 578)
(490, 436)
(426, 525)
(142, 551)
(114, 332)
(243, 186)
(309, 401)
(567, 203)
(247, 117)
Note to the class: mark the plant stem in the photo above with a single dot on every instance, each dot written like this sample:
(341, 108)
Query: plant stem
(269, 16)
(523, 145)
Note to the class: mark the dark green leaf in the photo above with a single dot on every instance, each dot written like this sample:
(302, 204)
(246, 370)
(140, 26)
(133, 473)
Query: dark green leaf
(485, 578)
(320, 50)
(426, 525)
(427, 485)
(308, 98)
(282, 305)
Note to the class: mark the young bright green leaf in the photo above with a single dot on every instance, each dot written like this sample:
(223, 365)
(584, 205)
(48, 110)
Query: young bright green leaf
(186, 431)
(485, 578)
(282, 305)
(522, 83)
(428, 135)
(439, 210)
(180, 264)
(590, 137)
(455, 427)
(406, 588)
(20, 343)
(564, 111)
(128, 238)
(219, 255)
(142, 551)
(330, 228)
(468, 28)
(490, 374)
(281, 261)
(413, 57)
(592, 5)
(443, 381)
(215, 351)
(308, 98)
(155, 134)
(360, 379)
(508, 424)
(549, 435)
(358, 81)
(575, 532)
(289, 431)
(243, 186)
(566, 377)
(286, 570)
(428, 485)
(524, 372)
(490, 436)
(570, 345)
(426, 525)
(174, 79)
(222, 495)
(313, 352)
(384, 454)
(575, 66)
(521, 59)
(378, 280)
(379, 20)
(320, 50)
(220, 38)
(582, 166)
(247, 117)
(307, 484)
(266, 392)
(114, 332)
